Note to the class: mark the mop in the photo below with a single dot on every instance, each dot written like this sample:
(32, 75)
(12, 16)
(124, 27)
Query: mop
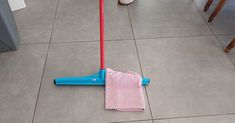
(100, 79)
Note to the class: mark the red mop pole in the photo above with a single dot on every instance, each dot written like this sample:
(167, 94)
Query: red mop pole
(102, 64)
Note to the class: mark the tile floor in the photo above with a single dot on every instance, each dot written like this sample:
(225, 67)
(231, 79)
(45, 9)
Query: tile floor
(193, 80)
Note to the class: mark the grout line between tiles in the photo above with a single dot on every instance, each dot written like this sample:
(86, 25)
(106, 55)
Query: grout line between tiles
(75, 41)
(52, 30)
(229, 57)
(113, 40)
(33, 43)
(175, 37)
(195, 116)
(224, 34)
(130, 121)
(215, 36)
(91, 41)
(132, 29)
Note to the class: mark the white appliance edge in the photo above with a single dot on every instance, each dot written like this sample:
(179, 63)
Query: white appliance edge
(16, 4)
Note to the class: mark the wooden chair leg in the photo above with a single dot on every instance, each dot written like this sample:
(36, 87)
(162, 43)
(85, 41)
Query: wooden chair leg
(230, 46)
(217, 10)
(208, 4)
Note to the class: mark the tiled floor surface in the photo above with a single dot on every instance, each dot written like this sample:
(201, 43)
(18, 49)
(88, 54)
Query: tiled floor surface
(192, 79)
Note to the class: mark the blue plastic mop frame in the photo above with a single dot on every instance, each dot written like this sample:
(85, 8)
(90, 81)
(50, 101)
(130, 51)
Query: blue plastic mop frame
(95, 79)
(99, 77)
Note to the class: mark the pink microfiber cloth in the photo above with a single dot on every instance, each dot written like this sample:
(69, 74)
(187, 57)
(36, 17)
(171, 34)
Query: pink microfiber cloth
(123, 91)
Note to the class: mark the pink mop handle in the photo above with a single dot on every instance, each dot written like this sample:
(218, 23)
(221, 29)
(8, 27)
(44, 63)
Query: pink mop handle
(102, 64)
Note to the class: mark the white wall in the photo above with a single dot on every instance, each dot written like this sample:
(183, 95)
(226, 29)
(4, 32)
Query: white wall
(17, 4)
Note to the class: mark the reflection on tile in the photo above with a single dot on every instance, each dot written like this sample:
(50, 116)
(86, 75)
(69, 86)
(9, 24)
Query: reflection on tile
(78, 20)
(190, 76)
(20, 76)
(161, 18)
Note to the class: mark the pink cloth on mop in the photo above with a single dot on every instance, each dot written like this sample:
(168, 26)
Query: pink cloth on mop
(124, 91)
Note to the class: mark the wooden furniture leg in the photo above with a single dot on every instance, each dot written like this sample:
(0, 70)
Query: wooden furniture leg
(208, 4)
(216, 10)
(230, 46)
